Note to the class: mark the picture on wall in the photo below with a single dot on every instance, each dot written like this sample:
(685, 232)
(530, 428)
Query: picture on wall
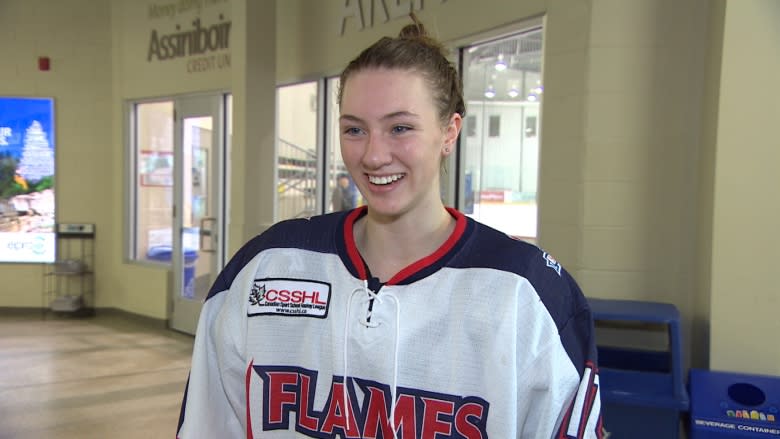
(27, 168)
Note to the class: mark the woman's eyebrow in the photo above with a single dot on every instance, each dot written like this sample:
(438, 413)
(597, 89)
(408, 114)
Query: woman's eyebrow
(393, 115)
(350, 118)
(398, 114)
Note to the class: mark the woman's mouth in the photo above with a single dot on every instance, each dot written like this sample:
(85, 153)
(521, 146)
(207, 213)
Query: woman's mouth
(385, 179)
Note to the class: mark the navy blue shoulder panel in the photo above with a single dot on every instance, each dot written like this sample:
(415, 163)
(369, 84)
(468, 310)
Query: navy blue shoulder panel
(316, 234)
(558, 291)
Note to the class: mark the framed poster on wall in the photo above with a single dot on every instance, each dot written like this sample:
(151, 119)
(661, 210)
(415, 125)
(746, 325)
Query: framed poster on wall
(27, 167)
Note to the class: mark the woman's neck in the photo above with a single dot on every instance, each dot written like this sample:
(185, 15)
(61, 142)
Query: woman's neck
(389, 245)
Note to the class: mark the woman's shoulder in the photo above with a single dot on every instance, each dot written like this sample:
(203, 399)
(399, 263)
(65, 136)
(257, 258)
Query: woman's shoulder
(548, 277)
(502, 243)
(301, 231)
(492, 248)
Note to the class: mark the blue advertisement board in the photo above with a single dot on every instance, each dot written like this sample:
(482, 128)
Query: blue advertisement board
(27, 179)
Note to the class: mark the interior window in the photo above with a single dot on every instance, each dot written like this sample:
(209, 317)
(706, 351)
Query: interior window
(341, 193)
(499, 161)
(152, 177)
(296, 149)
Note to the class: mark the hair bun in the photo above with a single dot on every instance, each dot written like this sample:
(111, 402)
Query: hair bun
(414, 30)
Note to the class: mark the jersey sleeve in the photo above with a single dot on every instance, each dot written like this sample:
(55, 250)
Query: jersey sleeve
(578, 413)
(582, 416)
(215, 398)
(562, 398)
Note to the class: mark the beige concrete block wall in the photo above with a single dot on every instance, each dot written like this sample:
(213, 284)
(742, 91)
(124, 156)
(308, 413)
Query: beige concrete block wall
(705, 194)
(745, 298)
(643, 97)
(75, 35)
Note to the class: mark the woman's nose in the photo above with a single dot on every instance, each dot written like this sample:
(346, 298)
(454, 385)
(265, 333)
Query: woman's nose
(377, 152)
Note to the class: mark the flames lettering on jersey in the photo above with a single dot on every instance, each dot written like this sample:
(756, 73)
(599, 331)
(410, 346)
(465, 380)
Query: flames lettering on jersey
(418, 414)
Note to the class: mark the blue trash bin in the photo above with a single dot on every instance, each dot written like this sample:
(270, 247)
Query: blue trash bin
(726, 405)
(164, 253)
(643, 394)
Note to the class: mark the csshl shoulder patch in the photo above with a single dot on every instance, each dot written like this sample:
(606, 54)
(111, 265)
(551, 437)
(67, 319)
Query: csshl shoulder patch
(552, 263)
(289, 297)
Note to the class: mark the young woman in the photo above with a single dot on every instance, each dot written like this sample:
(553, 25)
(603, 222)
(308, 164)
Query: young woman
(400, 319)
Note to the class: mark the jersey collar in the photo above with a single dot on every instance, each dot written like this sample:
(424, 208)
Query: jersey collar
(414, 271)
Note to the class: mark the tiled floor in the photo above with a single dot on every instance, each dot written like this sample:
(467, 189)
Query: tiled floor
(107, 376)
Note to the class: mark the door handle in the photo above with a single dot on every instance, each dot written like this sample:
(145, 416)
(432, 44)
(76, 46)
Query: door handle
(207, 232)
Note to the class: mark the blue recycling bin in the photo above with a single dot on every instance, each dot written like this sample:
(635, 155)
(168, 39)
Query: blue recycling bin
(726, 405)
(643, 394)
(164, 253)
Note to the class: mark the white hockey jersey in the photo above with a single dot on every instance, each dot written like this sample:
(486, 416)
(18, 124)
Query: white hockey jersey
(488, 337)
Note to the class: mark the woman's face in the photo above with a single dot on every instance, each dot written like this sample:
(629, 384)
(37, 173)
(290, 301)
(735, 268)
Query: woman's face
(392, 140)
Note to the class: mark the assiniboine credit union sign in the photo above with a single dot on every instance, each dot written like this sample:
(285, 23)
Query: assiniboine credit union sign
(206, 45)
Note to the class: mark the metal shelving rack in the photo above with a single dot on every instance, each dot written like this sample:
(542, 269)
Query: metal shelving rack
(69, 282)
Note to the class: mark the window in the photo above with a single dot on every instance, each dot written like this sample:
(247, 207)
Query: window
(499, 164)
(310, 182)
(152, 177)
(494, 129)
(530, 126)
(471, 126)
(297, 151)
(341, 194)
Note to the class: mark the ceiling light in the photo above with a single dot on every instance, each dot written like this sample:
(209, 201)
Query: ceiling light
(490, 92)
(532, 98)
(500, 63)
(513, 93)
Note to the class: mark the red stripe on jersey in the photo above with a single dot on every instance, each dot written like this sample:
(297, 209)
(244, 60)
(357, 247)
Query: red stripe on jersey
(248, 410)
(587, 409)
(565, 423)
(590, 397)
(349, 239)
(460, 227)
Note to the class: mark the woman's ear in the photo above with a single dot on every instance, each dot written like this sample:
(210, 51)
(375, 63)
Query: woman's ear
(451, 132)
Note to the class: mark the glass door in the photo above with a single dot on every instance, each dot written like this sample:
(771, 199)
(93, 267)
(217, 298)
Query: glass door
(198, 205)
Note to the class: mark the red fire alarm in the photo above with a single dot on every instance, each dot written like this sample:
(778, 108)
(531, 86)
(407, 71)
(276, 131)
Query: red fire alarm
(43, 63)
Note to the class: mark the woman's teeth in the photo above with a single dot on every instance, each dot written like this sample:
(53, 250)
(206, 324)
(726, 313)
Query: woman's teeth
(385, 179)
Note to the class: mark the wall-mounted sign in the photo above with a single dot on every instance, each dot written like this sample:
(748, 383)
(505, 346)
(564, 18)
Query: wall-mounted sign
(187, 34)
(196, 40)
(364, 13)
(27, 179)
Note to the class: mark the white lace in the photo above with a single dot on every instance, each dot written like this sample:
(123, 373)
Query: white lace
(366, 321)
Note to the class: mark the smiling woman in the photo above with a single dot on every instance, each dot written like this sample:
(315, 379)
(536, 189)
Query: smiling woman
(395, 336)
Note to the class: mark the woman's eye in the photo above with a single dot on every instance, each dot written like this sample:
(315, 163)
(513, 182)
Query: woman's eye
(352, 131)
(399, 129)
